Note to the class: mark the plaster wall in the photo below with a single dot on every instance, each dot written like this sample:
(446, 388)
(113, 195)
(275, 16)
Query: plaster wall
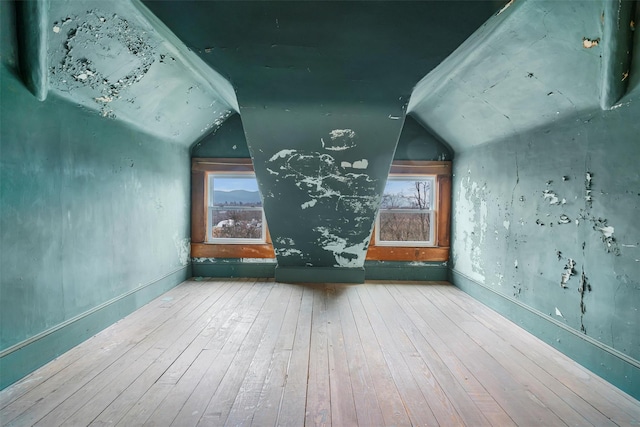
(93, 217)
(548, 220)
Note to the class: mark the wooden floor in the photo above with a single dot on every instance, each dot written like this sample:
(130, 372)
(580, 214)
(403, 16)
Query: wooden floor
(246, 352)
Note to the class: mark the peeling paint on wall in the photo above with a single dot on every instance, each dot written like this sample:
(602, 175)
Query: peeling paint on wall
(325, 183)
(88, 43)
(346, 253)
(183, 246)
(588, 43)
(339, 140)
(584, 287)
(471, 228)
(569, 270)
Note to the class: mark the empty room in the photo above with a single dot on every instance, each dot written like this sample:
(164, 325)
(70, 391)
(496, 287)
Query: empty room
(319, 213)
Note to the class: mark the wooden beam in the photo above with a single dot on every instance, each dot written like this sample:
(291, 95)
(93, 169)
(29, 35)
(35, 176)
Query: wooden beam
(617, 45)
(33, 26)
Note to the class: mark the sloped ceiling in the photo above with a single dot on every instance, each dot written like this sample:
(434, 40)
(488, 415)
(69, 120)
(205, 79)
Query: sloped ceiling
(116, 58)
(532, 65)
(529, 64)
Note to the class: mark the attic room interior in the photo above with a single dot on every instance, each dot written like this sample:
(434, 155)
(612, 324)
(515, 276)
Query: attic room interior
(319, 212)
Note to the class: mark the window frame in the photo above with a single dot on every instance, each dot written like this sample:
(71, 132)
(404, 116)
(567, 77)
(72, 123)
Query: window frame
(210, 176)
(431, 212)
(439, 250)
(201, 247)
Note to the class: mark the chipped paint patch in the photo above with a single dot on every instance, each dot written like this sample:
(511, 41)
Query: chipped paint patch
(345, 254)
(506, 224)
(360, 164)
(339, 140)
(281, 154)
(558, 313)
(607, 235)
(569, 270)
(588, 43)
(505, 7)
(564, 219)
(286, 252)
(551, 196)
(183, 246)
(471, 214)
(607, 231)
(311, 203)
(587, 188)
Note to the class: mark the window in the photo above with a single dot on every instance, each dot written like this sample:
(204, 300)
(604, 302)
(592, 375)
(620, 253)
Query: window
(235, 214)
(406, 216)
(414, 218)
(227, 220)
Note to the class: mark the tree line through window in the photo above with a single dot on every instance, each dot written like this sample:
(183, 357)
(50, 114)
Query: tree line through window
(406, 212)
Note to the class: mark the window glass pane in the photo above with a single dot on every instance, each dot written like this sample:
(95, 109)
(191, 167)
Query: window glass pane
(408, 193)
(234, 191)
(237, 224)
(235, 208)
(405, 226)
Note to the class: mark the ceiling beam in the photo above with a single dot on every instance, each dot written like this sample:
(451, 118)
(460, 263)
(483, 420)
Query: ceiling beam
(33, 28)
(617, 43)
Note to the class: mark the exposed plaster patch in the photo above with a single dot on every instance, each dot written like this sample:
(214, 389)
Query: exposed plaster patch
(609, 240)
(587, 188)
(339, 140)
(622, 104)
(311, 203)
(569, 270)
(201, 260)
(286, 252)
(506, 224)
(607, 231)
(588, 43)
(90, 51)
(564, 219)
(345, 253)
(342, 133)
(360, 164)
(345, 164)
(558, 313)
(505, 7)
(281, 154)
(551, 196)
(183, 246)
(285, 241)
(471, 213)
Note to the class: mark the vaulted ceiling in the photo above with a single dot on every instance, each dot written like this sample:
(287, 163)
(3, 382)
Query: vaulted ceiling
(471, 72)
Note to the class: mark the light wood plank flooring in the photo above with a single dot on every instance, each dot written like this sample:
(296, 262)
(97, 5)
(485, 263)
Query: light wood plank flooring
(256, 352)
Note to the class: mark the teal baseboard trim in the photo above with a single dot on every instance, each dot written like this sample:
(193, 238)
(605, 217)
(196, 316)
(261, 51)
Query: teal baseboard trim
(319, 275)
(609, 363)
(234, 268)
(414, 271)
(25, 357)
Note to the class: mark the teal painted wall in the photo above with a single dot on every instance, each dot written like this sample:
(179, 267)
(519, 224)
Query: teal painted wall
(91, 212)
(227, 141)
(415, 143)
(549, 221)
